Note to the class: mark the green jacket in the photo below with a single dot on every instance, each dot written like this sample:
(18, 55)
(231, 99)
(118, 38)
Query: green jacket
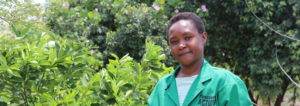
(212, 87)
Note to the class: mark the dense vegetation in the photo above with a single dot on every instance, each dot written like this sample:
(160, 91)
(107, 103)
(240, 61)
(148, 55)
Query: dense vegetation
(111, 52)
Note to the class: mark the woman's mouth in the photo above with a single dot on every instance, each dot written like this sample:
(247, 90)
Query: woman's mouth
(184, 53)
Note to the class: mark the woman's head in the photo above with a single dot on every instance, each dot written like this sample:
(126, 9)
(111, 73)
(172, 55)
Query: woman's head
(186, 37)
(197, 21)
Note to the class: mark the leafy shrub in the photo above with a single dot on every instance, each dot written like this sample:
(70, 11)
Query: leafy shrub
(39, 64)
(47, 70)
(116, 26)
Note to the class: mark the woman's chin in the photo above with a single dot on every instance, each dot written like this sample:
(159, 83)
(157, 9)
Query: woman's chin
(185, 63)
(188, 61)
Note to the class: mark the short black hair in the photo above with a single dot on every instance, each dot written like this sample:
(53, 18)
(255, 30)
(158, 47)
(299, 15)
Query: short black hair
(196, 20)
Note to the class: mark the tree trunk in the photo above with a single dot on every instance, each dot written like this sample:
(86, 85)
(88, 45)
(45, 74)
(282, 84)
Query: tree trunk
(280, 96)
(256, 100)
(269, 102)
(245, 74)
(250, 92)
(294, 96)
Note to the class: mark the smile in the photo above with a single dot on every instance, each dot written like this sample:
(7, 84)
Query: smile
(181, 54)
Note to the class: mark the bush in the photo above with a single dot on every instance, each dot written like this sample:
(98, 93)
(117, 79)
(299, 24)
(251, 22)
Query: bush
(36, 65)
(118, 27)
(48, 70)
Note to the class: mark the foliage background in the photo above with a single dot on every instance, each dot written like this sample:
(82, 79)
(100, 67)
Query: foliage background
(111, 52)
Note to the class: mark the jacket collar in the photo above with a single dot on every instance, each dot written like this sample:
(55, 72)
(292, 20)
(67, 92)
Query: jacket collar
(197, 86)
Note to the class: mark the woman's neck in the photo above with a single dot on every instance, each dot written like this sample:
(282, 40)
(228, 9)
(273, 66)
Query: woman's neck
(187, 71)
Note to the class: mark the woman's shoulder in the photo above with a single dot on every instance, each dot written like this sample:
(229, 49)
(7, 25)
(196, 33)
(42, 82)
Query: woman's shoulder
(225, 76)
(166, 78)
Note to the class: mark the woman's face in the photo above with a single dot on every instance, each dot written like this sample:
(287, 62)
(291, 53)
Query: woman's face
(186, 43)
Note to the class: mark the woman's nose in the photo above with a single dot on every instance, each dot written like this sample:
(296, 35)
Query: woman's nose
(182, 45)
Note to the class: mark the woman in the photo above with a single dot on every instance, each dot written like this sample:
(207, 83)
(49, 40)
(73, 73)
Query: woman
(195, 81)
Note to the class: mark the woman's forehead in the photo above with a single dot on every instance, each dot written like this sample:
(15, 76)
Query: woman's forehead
(182, 26)
(182, 23)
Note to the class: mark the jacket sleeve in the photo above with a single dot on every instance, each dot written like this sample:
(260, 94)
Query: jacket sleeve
(234, 93)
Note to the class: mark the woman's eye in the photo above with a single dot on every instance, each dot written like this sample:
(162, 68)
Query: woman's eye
(174, 42)
(187, 38)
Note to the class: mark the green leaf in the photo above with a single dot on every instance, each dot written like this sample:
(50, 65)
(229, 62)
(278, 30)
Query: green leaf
(14, 73)
(3, 60)
(91, 15)
(121, 83)
(70, 97)
(128, 93)
(173, 2)
(84, 80)
(5, 97)
(161, 2)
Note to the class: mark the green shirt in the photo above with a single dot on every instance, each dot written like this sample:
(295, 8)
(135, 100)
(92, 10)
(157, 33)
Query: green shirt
(213, 87)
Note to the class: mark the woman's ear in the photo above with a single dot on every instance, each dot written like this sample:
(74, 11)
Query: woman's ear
(204, 36)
